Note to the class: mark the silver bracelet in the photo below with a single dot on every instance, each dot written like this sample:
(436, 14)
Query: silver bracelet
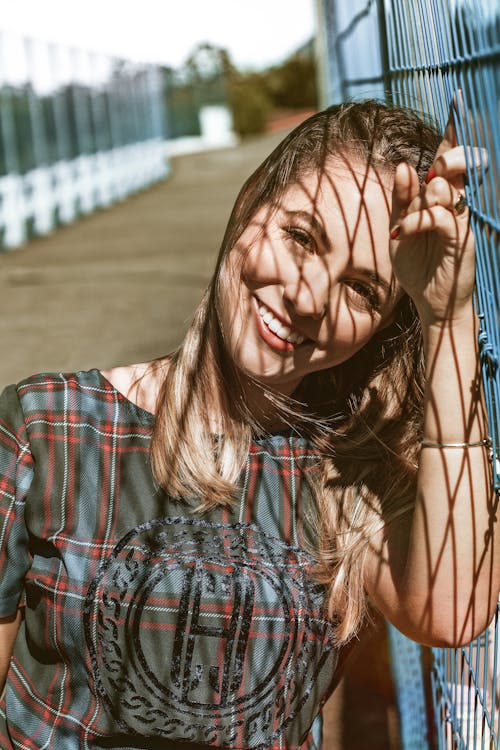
(485, 443)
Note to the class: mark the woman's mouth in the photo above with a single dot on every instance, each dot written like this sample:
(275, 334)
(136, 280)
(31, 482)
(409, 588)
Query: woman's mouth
(274, 331)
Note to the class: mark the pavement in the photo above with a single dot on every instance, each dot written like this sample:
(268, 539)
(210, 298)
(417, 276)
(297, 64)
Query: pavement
(120, 286)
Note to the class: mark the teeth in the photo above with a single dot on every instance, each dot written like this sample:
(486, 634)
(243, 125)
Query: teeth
(277, 327)
(274, 325)
(284, 332)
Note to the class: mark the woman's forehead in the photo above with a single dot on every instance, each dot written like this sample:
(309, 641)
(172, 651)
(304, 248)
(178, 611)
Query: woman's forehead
(344, 177)
(352, 192)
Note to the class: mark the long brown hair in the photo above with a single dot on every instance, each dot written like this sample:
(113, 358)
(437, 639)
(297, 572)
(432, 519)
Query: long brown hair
(364, 414)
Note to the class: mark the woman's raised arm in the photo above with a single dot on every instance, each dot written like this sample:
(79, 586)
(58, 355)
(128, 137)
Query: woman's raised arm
(437, 576)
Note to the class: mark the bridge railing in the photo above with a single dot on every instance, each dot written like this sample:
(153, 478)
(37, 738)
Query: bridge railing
(78, 131)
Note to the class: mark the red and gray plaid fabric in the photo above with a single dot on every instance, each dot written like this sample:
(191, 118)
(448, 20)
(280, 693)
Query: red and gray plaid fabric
(145, 624)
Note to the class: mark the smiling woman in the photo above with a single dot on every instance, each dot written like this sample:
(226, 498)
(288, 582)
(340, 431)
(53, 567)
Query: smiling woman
(305, 280)
(192, 542)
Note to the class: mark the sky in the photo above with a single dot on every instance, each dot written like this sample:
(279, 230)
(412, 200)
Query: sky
(257, 33)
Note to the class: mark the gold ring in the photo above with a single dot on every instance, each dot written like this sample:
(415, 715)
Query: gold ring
(461, 204)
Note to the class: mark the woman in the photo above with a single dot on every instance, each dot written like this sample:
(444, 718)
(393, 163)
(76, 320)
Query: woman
(191, 542)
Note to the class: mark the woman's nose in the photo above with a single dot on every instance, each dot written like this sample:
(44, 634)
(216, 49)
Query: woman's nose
(308, 294)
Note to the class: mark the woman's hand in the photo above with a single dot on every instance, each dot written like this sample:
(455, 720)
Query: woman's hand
(433, 254)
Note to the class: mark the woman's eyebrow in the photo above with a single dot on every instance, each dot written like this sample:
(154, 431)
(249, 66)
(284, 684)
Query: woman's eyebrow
(312, 220)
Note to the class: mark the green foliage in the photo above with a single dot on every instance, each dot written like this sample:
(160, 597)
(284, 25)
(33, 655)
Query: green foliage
(206, 71)
(292, 84)
(253, 96)
(201, 81)
(208, 63)
(209, 77)
(249, 103)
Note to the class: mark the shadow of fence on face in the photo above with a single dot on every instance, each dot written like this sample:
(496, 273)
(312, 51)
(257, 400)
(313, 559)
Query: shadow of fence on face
(417, 53)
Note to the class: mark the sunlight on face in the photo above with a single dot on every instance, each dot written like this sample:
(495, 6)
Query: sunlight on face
(310, 280)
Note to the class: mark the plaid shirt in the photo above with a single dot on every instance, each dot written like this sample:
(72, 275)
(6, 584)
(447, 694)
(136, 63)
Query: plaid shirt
(145, 624)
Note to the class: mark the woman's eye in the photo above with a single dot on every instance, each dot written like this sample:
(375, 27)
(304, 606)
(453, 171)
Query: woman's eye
(365, 294)
(301, 237)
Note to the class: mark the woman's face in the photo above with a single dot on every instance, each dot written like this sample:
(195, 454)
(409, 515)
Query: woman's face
(310, 280)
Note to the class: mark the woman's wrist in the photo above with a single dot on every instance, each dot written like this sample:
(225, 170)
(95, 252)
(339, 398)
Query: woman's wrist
(454, 408)
(461, 327)
(461, 317)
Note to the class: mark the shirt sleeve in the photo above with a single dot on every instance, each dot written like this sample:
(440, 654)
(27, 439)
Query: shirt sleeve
(16, 474)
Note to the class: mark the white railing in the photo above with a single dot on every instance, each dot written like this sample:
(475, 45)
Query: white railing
(78, 131)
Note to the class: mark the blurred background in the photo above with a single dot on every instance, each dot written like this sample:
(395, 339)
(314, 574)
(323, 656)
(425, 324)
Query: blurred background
(126, 131)
(95, 98)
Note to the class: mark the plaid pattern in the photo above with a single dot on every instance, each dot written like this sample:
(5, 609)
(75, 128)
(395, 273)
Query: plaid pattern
(143, 619)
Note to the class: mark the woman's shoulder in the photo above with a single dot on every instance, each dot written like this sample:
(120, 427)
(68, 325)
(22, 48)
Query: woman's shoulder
(81, 391)
(138, 383)
(45, 383)
(56, 391)
(43, 396)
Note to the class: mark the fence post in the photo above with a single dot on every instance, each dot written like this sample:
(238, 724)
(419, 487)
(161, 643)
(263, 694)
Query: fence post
(407, 672)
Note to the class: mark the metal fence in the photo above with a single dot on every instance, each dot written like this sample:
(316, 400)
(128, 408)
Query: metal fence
(417, 53)
(78, 131)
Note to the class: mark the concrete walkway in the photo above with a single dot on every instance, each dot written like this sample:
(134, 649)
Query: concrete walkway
(118, 287)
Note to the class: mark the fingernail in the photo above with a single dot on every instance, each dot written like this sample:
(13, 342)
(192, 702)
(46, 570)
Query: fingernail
(430, 174)
(395, 233)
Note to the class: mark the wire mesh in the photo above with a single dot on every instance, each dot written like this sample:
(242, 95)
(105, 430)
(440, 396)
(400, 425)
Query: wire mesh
(436, 48)
(427, 50)
(407, 672)
(433, 52)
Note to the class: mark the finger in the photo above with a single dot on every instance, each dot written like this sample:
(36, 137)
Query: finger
(434, 219)
(457, 110)
(439, 192)
(450, 133)
(406, 188)
(456, 160)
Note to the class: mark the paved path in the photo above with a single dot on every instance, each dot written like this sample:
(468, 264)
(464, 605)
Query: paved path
(119, 286)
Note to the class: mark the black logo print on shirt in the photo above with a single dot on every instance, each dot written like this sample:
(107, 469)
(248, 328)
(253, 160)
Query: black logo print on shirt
(208, 633)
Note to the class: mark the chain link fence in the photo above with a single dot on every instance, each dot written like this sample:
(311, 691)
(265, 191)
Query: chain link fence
(417, 53)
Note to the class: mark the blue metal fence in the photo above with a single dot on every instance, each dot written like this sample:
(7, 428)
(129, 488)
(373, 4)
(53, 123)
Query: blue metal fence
(408, 676)
(425, 51)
